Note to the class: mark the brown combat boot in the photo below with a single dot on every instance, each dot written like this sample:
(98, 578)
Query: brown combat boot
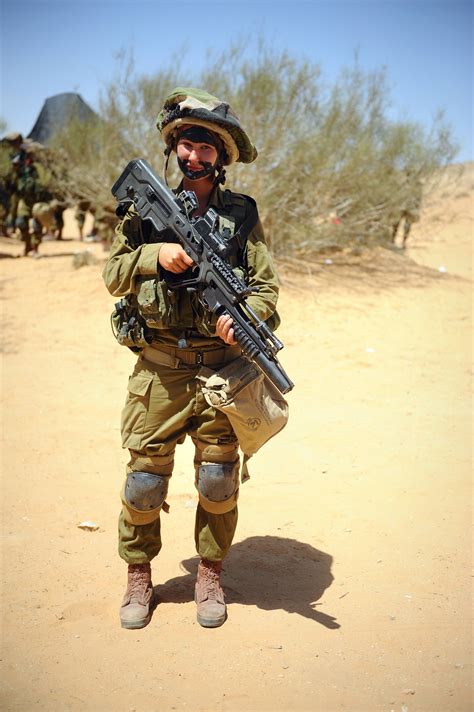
(135, 611)
(208, 594)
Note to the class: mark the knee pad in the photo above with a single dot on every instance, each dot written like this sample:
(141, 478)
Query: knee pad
(143, 496)
(217, 484)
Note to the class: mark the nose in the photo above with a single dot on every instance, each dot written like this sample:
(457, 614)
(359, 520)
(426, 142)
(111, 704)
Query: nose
(194, 155)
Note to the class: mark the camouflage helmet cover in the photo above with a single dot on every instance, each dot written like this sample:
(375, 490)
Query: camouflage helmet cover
(188, 105)
(13, 137)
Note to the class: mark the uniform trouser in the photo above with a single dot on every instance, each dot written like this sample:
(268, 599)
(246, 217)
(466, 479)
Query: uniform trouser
(13, 209)
(31, 239)
(164, 405)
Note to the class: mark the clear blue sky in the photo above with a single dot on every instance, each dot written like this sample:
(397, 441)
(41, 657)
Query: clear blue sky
(54, 46)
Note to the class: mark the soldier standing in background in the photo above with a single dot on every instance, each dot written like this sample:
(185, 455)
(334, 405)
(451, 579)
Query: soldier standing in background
(29, 192)
(105, 221)
(412, 193)
(6, 186)
(81, 209)
(58, 206)
(13, 142)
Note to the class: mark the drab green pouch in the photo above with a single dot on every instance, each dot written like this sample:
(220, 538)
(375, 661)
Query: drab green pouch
(127, 325)
(256, 409)
(157, 303)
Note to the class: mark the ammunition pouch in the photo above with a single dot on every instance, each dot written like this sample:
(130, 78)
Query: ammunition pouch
(128, 327)
(157, 303)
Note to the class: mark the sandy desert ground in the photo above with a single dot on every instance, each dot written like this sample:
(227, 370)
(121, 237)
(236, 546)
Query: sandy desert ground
(349, 584)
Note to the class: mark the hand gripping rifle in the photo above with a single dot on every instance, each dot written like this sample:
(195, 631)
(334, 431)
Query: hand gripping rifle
(219, 289)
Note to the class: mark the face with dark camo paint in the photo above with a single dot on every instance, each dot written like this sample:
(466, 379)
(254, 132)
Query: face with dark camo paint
(196, 159)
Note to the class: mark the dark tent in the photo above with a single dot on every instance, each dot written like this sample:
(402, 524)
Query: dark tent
(57, 111)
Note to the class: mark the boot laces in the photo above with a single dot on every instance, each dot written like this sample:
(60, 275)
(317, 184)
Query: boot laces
(211, 583)
(138, 580)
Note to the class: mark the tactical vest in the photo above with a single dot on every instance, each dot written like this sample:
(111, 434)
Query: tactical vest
(159, 307)
(237, 218)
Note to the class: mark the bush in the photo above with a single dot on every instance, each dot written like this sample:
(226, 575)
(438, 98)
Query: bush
(333, 169)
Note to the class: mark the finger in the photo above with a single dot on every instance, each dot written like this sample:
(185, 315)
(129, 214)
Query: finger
(178, 265)
(220, 331)
(229, 336)
(225, 326)
(224, 319)
(173, 266)
(183, 256)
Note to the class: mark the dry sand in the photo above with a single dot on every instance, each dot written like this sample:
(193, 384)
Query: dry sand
(349, 584)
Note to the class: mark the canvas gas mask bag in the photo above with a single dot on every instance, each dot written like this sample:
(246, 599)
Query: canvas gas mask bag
(256, 409)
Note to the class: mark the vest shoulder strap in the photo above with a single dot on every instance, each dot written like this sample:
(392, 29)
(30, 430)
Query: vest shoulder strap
(244, 209)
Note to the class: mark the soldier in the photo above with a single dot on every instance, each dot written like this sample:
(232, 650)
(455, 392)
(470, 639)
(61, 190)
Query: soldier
(105, 221)
(5, 185)
(12, 142)
(412, 193)
(58, 206)
(164, 402)
(29, 192)
(80, 214)
(4, 203)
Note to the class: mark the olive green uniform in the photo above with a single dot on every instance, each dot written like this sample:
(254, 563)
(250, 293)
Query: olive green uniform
(80, 214)
(9, 148)
(104, 223)
(410, 210)
(164, 401)
(29, 191)
(6, 184)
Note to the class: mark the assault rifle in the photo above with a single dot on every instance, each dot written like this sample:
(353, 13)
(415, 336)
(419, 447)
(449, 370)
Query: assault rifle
(218, 288)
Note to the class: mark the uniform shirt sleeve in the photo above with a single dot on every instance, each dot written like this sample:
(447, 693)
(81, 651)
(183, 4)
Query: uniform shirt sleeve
(261, 273)
(126, 263)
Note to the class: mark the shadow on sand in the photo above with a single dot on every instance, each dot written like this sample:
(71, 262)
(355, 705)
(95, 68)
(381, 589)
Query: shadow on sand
(265, 571)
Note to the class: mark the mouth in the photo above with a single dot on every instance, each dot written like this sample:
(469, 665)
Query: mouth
(198, 166)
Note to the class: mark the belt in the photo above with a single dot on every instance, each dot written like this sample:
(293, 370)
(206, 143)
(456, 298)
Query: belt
(178, 358)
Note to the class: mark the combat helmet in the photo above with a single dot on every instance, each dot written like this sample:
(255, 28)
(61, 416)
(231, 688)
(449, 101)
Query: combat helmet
(189, 105)
(13, 137)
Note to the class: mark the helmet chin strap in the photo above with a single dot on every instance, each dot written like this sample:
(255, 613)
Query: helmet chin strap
(206, 170)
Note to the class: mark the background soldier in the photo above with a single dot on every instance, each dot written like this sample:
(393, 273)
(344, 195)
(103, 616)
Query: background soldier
(58, 206)
(6, 185)
(80, 215)
(31, 190)
(412, 193)
(12, 147)
(105, 222)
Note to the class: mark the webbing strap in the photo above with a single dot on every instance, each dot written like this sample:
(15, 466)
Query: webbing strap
(238, 205)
